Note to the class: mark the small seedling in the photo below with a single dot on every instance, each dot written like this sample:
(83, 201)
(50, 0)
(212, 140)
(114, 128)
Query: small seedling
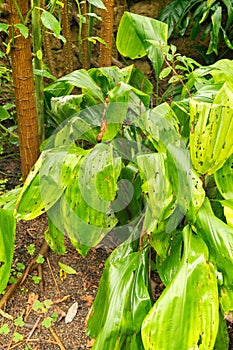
(19, 321)
(4, 329)
(65, 270)
(42, 306)
(31, 249)
(40, 259)
(48, 321)
(17, 337)
(36, 279)
(38, 305)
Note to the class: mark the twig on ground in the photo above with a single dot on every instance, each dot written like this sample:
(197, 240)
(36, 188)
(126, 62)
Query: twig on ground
(50, 268)
(6, 315)
(31, 267)
(54, 334)
(34, 328)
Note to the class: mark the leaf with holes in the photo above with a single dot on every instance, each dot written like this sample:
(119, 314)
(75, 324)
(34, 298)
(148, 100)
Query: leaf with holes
(192, 293)
(116, 323)
(218, 236)
(211, 128)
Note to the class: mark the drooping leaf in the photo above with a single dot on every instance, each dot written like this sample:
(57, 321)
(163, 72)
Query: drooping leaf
(86, 214)
(211, 127)
(8, 199)
(116, 323)
(222, 340)
(4, 114)
(23, 29)
(64, 106)
(161, 127)
(191, 294)
(29, 204)
(133, 37)
(156, 187)
(173, 12)
(222, 70)
(7, 239)
(54, 237)
(168, 263)
(218, 236)
(50, 22)
(81, 79)
(224, 179)
(4, 27)
(97, 3)
(216, 19)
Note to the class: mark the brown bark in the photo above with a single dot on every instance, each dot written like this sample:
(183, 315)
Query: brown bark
(85, 53)
(67, 34)
(22, 72)
(105, 57)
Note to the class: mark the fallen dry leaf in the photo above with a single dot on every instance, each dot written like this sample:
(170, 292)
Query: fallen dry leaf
(71, 313)
(90, 343)
(60, 300)
(32, 297)
(88, 299)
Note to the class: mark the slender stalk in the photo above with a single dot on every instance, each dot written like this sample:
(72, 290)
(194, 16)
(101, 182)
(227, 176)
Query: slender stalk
(8, 131)
(80, 31)
(90, 30)
(38, 64)
(85, 56)
(105, 57)
(67, 34)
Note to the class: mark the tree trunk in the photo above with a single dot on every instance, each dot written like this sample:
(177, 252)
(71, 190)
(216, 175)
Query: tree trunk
(22, 72)
(66, 31)
(105, 57)
(85, 53)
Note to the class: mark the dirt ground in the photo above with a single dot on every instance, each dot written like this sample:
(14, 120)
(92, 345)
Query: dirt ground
(59, 292)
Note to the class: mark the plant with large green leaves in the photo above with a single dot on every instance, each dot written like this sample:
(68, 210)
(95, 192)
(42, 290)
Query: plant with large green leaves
(116, 166)
(217, 16)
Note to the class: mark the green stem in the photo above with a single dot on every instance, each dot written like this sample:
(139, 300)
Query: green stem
(90, 30)
(80, 31)
(8, 131)
(19, 12)
(38, 64)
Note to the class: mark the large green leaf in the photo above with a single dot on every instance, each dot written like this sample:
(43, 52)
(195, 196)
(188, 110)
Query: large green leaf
(156, 187)
(65, 106)
(222, 70)
(224, 179)
(222, 340)
(7, 239)
(133, 37)
(29, 204)
(97, 3)
(173, 12)
(85, 213)
(50, 22)
(219, 238)
(216, 20)
(169, 258)
(81, 79)
(211, 128)
(116, 322)
(161, 127)
(186, 314)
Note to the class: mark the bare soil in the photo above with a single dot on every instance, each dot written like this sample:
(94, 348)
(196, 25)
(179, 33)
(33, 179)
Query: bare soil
(59, 292)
